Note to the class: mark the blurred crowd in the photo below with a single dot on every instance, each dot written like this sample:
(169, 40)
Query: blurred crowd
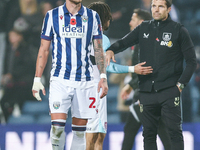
(20, 27)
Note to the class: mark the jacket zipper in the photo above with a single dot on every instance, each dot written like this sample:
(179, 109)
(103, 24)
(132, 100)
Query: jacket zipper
(155, 49)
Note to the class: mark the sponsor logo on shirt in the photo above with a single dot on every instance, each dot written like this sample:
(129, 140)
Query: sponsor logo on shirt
(73, 31)
(166, 40)
(146, 36)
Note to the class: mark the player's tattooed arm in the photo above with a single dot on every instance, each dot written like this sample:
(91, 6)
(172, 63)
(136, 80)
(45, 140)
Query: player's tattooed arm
(100, 61)
(99, 55)
(42, 57)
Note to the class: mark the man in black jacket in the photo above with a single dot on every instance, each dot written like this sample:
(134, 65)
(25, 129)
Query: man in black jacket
(133, 122)
(164, 44)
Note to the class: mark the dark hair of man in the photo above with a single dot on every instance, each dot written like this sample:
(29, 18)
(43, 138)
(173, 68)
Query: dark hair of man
(104, 12)
(142, 14)
(168, 3)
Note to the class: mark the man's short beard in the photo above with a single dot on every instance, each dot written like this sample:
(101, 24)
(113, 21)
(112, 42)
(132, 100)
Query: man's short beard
(76, 3)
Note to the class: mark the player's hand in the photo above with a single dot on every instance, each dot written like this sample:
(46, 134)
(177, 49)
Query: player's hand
(126, 90)
(103, 84)
(110, 55)
(37, 86)
(139, 69)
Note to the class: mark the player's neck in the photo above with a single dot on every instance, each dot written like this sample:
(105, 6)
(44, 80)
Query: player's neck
(73, 8)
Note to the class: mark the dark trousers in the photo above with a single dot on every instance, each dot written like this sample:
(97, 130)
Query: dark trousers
(164, 104)
(15, 94)
(132, 126)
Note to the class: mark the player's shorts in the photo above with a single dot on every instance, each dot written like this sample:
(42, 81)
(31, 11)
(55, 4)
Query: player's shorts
(62, 97)
(99, 122)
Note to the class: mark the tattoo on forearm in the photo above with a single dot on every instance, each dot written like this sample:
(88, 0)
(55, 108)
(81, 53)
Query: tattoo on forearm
(99, 55)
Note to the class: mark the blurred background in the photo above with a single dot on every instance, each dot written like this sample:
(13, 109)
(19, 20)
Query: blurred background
(20, 27)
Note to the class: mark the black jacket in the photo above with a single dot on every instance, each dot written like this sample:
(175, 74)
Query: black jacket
(163, 45)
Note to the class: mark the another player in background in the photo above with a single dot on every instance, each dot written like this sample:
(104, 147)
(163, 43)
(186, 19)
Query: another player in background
(97, 126)
(73, 30)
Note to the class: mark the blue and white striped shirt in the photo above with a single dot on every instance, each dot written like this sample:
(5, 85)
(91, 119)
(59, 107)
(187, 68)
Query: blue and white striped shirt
(71, 37)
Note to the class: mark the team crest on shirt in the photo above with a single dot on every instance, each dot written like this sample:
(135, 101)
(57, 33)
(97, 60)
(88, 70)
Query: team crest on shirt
(166, 39)
(84, 18)
(56, 105)
(167, 36)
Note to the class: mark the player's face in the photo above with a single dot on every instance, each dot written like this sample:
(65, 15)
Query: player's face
(159, 10)
(135, 21)
(76, 1)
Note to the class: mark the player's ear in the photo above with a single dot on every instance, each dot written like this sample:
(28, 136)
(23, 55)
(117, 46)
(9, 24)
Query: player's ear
(169, 9)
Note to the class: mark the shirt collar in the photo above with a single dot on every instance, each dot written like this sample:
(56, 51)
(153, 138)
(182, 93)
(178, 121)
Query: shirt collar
(80, 12)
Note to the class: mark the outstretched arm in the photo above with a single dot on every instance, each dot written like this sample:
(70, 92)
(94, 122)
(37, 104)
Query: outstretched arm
(138, 69)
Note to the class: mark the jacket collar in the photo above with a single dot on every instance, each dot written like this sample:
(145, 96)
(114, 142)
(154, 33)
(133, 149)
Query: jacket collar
(160, 22)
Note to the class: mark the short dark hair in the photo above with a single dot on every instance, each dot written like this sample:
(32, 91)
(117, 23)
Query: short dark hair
(168, 3)
(142, 14)
(103, 10)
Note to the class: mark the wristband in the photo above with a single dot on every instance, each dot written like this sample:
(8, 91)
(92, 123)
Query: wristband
(103, 75)
(131, 69)
(37, 79)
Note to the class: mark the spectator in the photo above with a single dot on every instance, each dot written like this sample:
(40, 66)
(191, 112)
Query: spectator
(18, 74)
(31, 15)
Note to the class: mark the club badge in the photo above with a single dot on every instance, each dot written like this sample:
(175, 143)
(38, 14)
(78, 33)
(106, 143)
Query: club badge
(167, 36)
(84, 18)
(56, 105)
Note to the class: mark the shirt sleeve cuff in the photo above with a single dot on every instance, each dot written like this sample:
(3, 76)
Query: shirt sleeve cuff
(46, 37)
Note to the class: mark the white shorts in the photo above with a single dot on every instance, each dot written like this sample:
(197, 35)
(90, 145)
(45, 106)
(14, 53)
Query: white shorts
(99, 122)
(62, 97)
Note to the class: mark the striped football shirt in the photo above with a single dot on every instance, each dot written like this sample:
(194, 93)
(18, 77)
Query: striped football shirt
(71, 37)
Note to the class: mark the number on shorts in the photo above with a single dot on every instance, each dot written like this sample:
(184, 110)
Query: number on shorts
(93, 101)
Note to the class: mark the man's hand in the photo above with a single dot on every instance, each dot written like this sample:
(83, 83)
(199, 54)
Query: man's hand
(103, 84)
(110, 55)
(37, 86)
(126, 90)
(180, 90)
(139, 69)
